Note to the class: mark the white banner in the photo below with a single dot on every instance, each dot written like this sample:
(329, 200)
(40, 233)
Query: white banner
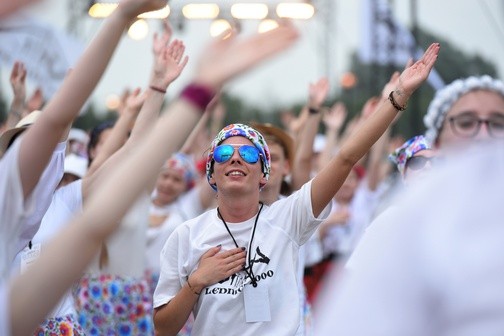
(46, 52)
(385, 41)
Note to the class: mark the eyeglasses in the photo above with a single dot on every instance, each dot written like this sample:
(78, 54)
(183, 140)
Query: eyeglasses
(248, 153)
(468, 126)
(419, 162)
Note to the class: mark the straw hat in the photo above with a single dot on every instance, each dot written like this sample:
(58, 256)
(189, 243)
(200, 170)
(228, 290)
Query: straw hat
(279, 136)
(6, 136)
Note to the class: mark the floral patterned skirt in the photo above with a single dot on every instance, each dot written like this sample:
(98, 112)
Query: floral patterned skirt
(60, 326)
(114, 305)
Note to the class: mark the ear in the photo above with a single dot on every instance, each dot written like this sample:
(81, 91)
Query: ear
(263, 180)
(211, 180)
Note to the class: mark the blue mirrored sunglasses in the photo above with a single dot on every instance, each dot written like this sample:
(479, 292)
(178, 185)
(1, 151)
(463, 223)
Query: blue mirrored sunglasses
(248, 153)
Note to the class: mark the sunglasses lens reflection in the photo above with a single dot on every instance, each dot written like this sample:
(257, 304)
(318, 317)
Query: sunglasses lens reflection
(249, 153)
(223, 153)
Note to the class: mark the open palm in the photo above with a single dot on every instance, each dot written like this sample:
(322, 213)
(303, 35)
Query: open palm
(412, 77)
(226, 58)
(169, 64)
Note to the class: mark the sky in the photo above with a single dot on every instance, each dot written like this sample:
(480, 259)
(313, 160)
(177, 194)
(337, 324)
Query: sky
(474, 26)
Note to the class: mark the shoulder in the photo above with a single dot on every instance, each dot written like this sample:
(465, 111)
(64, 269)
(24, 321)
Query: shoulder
(198, 224)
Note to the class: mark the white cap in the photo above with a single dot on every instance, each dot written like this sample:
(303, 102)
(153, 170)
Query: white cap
(78, 135)
(75, 165)
(319, 143)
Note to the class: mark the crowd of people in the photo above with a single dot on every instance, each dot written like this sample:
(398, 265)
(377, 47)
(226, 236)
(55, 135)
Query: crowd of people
(168, 222)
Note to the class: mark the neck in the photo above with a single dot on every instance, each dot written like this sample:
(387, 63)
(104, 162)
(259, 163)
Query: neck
(269, 195)
(237, 210)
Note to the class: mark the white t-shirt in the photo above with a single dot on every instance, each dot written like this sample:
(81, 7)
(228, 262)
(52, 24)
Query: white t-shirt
(4, 309)
(185, 207)
(126, 246)
(220, 310)
(66, 202)
(43, 193)
(433, 264)
(19, 219)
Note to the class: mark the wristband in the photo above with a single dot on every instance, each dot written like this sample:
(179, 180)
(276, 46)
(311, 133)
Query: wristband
(157, 89)
(198, 95)
(313, 110)
(395, 104)
(191, 287)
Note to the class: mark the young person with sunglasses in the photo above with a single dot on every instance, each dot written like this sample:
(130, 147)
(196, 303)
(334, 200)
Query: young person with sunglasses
(235, 266)
(414, 158)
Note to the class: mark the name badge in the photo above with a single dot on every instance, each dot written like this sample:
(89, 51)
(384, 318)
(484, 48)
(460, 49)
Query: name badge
(257, 305)
(29, 256)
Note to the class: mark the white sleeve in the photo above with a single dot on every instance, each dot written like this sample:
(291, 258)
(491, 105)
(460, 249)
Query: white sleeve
(4, 309)
(298, 208)
(13, 208)
(72, 194)
(384, 284)
(42, 195)
(170, 276)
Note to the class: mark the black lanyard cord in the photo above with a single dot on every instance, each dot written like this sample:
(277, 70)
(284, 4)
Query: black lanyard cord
(249, 271)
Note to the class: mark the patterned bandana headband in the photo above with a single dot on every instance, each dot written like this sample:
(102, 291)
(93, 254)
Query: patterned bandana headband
(185, 165)
(245, 131)
(402, 154)
(449, 95)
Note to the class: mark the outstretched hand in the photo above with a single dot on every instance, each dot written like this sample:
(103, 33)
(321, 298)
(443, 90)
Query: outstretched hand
(35, 101)
(412, 77)
(134, 101)
(335, 117)
(159, 43)
(18, 80)
(169, 63)
(317, 92)
(226, 58)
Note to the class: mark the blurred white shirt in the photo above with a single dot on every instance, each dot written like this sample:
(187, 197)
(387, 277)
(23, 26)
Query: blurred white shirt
(433, 265)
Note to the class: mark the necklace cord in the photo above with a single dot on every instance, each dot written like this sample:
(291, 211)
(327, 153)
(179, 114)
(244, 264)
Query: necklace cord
(249, 271)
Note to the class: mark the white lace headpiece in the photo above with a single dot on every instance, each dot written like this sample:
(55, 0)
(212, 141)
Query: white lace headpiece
(447, 96)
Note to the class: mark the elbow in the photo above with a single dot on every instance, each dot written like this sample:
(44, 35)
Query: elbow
(161, 327)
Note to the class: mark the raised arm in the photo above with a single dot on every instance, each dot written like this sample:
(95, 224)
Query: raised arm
(169, 61)
(333, 121)
(217, 118)
(374, 169)
(310, 117)
(133, 102)
(39, 140)
(332, 176)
